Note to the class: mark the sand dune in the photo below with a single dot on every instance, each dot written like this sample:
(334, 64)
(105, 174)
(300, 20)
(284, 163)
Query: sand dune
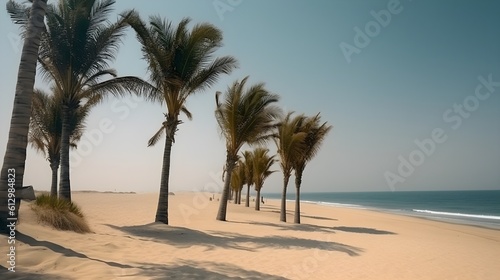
(332, 243)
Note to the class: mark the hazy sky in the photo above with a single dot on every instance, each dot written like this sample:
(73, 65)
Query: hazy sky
(412, 89)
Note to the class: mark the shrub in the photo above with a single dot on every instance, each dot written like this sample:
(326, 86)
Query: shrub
(60, 214)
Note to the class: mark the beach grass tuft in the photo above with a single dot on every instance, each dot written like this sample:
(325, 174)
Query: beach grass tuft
(60, 214)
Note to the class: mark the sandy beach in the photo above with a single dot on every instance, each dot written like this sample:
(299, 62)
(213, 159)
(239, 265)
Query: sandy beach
(331, 243)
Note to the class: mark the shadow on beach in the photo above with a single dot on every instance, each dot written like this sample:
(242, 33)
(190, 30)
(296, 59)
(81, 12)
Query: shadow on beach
(290, 226)
(184, 237)
(200, 270)
(19, 275)
(62, 250)
(363, 230)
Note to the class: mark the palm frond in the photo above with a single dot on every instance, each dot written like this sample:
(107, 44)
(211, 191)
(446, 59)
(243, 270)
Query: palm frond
(158, 135)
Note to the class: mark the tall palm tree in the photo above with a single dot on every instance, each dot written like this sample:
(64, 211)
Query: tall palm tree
(15, 154)
(315, 135)
(46, 128)
(181, 63)
(248, 166)
(262, 163)
(76, 48)
(289, 141)
(245, 116)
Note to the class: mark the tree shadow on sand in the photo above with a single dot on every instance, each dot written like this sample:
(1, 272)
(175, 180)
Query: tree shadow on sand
(274, 209)
(363, 230)
(185, 237)
(203, 270)
(62, 250)
(19, 275)
(289, 226)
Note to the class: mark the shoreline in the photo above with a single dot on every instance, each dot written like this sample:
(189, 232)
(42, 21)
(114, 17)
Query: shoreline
(489, 221)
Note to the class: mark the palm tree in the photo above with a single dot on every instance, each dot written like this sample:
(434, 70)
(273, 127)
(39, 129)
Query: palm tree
(289, 141)
(46, 128)
(76, 48)
(180, 63)
(262, 163)
(315, 135)
(248, 166)
(245, 116)
(237, 181)
(15, 154)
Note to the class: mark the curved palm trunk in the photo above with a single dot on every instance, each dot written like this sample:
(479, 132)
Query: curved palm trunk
(247, 202)
(283, 198)
(230, 164)
(162, 208)
(64, 184)
(257, 200)
(298, 182)
(15, 154)
(53, 188)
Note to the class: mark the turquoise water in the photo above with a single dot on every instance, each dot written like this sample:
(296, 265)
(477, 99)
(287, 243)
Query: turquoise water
(480, 208)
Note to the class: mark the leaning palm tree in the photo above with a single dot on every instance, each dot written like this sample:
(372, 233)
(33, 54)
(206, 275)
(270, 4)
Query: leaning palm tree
(181, 63)
(46, 128)
(262, 163)
(245, 116)
(315, 135)
(248, 166)
(76, 48)
(289, 141)
(15, 153)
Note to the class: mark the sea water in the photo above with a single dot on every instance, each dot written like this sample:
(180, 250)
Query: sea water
(480, 208)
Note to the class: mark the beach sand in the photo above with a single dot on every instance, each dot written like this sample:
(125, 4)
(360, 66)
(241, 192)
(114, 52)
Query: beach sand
(331, 243)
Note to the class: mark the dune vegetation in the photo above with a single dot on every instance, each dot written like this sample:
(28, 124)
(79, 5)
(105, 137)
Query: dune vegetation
(60, 214)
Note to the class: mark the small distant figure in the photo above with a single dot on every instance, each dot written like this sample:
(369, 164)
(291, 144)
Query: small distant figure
(262, 199)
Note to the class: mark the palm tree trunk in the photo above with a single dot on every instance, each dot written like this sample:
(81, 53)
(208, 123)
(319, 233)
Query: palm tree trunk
(235, 193)
(283, 198)
(15, 153)
(257, 200)
(247, 202)
(298, 181)
(53, 188)
(162, 208)
(239, 195)
(230, 164)
(64, 184)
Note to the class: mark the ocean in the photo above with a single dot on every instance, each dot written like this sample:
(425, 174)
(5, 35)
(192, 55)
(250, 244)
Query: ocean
(479, 208)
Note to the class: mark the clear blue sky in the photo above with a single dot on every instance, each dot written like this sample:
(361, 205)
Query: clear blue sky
(411, 76)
